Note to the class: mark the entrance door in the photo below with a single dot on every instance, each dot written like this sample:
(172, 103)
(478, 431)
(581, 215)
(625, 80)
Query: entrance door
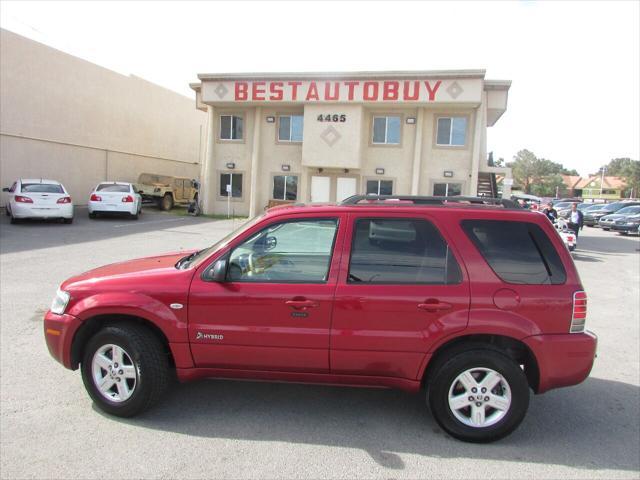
(320, 189)
(345, 188)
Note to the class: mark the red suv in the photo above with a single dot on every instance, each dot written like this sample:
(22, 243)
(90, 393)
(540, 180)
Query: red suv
(475, 300)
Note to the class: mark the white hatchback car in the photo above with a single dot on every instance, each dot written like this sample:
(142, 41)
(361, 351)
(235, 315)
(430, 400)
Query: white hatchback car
(38, 198)
(115, 197)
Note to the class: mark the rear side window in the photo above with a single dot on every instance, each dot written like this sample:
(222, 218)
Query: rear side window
(518, 252)
(41, 188)
(110, 187)
(401, 251)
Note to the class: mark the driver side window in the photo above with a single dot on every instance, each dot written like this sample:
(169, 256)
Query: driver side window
(289, 252)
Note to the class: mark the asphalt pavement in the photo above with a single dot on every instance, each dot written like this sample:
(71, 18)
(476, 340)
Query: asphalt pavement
(227, 429)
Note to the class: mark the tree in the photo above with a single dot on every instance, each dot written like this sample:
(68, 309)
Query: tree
(628, 170)
(537, 175)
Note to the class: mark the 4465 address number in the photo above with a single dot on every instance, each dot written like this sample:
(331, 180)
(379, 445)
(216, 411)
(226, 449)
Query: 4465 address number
(335, 117)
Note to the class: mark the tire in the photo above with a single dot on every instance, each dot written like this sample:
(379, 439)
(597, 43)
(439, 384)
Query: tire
(167, 202)
(13, 220)
(478, 362)
(134, 216)
(623, 233)
(606, 229)
(67, 220)
(148, 373)
(93, 215)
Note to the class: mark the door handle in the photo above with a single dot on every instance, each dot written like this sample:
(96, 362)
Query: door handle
(301, 304)
(434, 305)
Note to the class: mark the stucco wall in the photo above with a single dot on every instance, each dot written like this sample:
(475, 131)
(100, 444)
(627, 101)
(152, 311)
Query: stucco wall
(68, 119)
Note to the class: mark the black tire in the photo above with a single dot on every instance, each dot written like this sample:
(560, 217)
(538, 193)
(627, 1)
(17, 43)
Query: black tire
(13, 220)
(606, 229)
(447, 372)
(93, 215)
(148, 358)
(134, 216)
(167, 202)
(623, 233)
(67, 220)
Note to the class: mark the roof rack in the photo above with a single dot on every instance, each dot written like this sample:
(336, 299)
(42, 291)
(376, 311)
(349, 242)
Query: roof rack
(420, 200)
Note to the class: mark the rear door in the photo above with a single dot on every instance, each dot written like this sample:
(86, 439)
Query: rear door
(401, 288)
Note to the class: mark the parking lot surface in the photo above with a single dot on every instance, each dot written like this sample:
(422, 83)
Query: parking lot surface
(228, 429)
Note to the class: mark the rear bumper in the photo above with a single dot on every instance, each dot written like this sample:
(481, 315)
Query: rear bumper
(59, 331)
(64, 210)
(591, 222)
(104, 207)
(563, 360)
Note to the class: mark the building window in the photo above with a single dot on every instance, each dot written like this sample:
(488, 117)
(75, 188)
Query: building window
(386, 130)
(285, 187)
(290, 128)
(233, 182)
(447, 189)
(231, 127)
(379, 187)
(452, 131)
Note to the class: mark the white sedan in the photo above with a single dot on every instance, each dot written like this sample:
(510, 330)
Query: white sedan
(115, 197)
(38, 198)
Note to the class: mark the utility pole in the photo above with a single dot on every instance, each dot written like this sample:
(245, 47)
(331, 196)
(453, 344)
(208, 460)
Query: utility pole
(602, 179)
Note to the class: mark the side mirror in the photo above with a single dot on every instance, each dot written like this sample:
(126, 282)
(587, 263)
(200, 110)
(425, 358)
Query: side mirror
(270, 243)
(5, 189)
(218, 272)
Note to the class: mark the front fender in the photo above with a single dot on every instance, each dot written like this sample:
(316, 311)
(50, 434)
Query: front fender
(173, 323)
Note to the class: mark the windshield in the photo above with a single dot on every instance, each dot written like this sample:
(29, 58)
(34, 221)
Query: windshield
(41, 188)
(593, 207)
(629, 210)
(613, 207)
(195, 258)
(111, 187)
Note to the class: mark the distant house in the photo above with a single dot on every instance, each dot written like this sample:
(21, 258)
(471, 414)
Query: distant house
(590, 189)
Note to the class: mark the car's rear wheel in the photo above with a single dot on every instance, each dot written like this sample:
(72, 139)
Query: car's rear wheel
(167, 202)
(479, 395)
(125, 369)
(67, 220)
(93, 215)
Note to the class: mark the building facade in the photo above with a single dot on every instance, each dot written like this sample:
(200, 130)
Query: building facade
(596, 187)
(321, 137)
(67, 119)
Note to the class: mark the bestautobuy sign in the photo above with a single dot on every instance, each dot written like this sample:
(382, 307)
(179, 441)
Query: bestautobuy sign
(343, 91)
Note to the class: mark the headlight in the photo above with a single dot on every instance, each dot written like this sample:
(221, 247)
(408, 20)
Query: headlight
(60, 302)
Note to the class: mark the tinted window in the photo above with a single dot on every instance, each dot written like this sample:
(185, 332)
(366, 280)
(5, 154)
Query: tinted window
(518, 252)
(41, 188)
(110, 187)
(285, 187)
(401, 251)
(298, 252)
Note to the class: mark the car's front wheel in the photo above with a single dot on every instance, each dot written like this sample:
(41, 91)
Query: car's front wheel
(479, 395)
(125, 369)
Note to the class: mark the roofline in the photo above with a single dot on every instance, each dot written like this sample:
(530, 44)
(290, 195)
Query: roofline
(497, 84)
(477, 73)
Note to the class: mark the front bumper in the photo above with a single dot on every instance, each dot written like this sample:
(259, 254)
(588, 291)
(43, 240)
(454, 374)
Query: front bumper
(27, 210)
(564, 359)
(625, 228)
(59, 331)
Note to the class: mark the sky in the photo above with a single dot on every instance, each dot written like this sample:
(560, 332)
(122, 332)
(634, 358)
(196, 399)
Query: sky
(575, 66)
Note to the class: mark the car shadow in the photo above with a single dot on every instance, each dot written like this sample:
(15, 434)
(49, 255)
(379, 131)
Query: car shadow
(39, 234)
(563, 427)
(609, 244)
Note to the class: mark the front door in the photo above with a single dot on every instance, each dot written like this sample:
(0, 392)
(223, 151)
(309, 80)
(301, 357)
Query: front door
(273, 311)
(345, 188)
(400, 290)
(320, 189)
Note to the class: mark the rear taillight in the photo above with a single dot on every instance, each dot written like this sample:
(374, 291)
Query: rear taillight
(21, 199)
(127, 199)
(579, 315)
(95, 198)
(64, 200)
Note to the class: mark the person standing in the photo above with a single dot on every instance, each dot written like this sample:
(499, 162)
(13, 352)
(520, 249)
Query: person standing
(576, 219)
(550, 212)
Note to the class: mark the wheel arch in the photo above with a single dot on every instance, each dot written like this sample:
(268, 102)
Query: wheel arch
(94, 324)
(509, 346)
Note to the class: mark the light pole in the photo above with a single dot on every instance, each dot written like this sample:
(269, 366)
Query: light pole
(602, 179)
